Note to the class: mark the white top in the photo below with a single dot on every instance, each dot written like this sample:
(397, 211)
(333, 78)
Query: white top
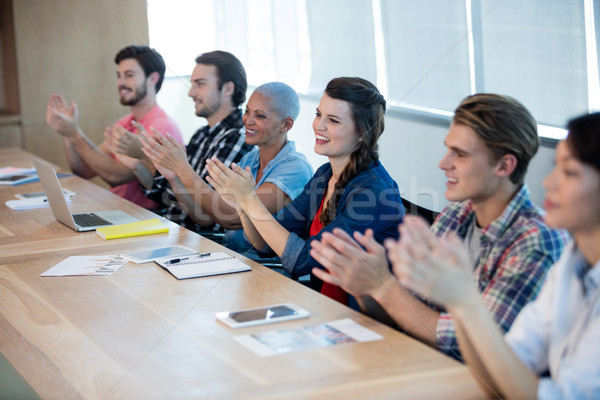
(559, 332)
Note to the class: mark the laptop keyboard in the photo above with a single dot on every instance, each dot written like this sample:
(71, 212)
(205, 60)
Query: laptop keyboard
(85, 220)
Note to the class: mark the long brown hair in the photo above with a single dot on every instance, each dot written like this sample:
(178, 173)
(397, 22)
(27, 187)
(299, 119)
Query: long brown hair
(368, 109)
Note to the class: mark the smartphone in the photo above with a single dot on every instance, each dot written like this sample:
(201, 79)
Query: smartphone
(23, 196)
(150, 255)
(262, 315)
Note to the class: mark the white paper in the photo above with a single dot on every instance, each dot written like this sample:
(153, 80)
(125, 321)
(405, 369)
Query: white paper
(206, 264)
(29, 204)
(270, 343)
(12, 171)
(86, 265)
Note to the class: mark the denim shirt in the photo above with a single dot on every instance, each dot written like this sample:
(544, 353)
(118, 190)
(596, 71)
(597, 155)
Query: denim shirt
(370, 200)
(289, 171)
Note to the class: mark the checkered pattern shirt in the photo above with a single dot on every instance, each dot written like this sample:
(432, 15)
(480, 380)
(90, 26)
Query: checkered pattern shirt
(517, 249)
(225, 140)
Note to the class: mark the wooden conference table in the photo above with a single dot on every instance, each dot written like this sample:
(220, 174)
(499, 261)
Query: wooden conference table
(142, 334)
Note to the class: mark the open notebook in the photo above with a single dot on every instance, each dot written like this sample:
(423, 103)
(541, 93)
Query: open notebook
(206, 264)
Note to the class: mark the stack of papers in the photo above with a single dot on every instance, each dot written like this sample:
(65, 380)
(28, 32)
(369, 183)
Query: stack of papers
(28, 204)
(14, 176)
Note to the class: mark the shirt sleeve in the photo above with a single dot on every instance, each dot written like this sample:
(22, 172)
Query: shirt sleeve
(579, 378)
(296, 216)
(229, 149)
(517, 281)
(537, 326)
(160, 192)
(290, 176)
(529, 336)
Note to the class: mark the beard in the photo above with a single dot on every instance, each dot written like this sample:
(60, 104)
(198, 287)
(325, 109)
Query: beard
(208, 108)
(138, 95)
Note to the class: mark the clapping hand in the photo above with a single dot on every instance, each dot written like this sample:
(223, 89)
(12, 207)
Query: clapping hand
(61, 117)
(126, 143)
(165, 152)
(436, 269)
(235, 185)
(360, 272)
(127, 161)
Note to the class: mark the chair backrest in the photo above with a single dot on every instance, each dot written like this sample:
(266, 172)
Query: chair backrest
(414, 209)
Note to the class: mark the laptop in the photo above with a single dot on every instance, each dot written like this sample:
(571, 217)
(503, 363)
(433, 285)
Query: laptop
(80, 222)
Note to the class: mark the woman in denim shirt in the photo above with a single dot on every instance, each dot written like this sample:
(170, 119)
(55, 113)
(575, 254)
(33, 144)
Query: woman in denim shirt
(353, 191)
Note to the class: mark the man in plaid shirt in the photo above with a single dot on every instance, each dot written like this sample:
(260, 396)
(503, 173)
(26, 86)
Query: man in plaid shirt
(491, 140)
(218, 89)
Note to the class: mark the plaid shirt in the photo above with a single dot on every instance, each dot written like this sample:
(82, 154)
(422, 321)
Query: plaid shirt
(517, 249)
(225, 140)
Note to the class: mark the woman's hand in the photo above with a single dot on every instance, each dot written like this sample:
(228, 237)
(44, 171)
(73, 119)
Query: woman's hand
(360, 272)
(234, 185)
(437, 269)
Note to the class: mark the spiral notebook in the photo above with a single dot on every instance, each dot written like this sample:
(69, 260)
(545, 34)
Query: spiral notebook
(206, 264)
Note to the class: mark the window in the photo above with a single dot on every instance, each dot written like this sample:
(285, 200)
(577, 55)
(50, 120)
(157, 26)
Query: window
(181, 30)
(424, 56)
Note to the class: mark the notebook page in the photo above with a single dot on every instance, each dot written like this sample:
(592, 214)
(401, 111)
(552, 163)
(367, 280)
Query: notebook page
(215, 264)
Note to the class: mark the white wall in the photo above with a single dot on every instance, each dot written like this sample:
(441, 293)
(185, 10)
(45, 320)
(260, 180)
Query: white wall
(410, 150)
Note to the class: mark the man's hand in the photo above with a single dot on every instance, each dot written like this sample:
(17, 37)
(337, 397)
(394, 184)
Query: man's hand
(127, 143)
(127, 161)
(61, 117)
(437, 269)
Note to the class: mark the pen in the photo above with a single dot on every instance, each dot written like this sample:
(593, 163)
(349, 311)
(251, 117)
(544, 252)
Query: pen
(176, 260)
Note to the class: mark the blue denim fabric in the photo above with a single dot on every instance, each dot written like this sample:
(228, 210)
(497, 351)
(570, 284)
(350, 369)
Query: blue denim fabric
(370, 200)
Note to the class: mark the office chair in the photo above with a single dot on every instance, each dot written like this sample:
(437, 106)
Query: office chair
(414, 209)
(272, 262)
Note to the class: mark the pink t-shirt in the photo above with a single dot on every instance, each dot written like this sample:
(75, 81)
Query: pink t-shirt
(159, 120)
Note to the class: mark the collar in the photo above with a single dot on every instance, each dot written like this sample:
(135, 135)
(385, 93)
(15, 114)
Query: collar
(232, 121)
(498, 226)
(588, 274)
(126, 121)
(288, 148)
(150, 114)
(367, 174)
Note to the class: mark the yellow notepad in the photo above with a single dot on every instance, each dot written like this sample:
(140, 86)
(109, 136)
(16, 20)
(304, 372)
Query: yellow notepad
(146, 227)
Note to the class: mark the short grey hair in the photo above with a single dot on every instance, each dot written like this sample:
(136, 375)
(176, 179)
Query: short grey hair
(282, 97)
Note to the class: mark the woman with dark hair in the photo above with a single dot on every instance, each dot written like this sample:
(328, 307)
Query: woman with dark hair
(353, 191)
(551, 351)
